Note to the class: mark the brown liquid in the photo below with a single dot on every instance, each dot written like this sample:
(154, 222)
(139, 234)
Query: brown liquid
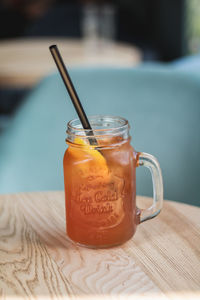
(100, 195)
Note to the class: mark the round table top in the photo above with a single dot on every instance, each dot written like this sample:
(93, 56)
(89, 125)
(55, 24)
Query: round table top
(162, 260)
(23, 62)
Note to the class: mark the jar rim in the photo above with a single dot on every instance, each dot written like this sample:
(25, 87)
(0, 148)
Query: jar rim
(75, 125)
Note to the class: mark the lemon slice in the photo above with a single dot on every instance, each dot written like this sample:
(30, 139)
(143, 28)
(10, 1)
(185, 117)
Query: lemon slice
(88, 160)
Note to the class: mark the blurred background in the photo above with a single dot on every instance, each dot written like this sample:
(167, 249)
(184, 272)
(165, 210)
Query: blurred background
(160, 30)
(130, 34)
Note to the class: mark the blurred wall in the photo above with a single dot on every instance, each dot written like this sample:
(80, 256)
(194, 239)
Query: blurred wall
(156, 26)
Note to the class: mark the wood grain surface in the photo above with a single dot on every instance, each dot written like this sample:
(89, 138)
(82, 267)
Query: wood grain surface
(162, 260)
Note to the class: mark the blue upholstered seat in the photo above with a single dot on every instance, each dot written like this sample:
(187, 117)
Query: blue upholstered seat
(162, 105)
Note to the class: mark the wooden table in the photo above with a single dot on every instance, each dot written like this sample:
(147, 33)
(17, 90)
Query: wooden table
(23, 62)
(162, 261)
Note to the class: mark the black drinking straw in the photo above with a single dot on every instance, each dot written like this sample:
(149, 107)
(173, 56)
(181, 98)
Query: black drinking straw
(72, 92)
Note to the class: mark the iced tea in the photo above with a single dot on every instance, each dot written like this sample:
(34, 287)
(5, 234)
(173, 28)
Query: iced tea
(100, 190)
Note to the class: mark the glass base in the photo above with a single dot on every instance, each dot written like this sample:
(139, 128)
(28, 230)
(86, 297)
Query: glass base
(106, 246)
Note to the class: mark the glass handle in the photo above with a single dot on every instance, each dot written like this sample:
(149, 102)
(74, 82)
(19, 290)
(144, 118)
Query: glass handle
(149, 161)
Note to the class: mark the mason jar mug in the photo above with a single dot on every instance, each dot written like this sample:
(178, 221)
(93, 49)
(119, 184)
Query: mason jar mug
(100, 183)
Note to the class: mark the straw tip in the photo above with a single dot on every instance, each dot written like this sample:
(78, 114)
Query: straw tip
(52, 47)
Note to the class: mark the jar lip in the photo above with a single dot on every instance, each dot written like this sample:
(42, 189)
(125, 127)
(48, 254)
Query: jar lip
(123, 124)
